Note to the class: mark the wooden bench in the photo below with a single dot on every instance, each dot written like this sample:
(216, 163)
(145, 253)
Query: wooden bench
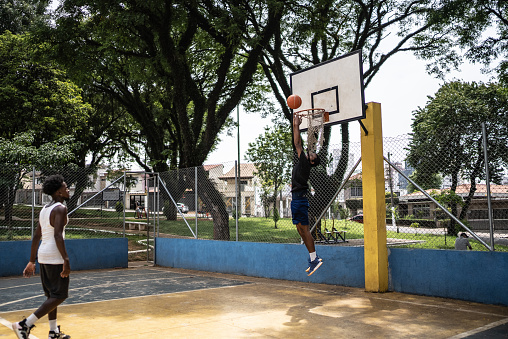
(335, 236)
(136, 225)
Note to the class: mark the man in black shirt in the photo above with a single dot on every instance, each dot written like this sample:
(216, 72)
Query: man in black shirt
(299, 202)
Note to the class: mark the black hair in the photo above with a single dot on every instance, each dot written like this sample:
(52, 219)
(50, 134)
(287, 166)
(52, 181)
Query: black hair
(317, 161)
(52, 184)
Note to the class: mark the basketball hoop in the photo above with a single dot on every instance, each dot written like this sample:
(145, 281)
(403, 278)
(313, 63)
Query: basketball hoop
(316, 118)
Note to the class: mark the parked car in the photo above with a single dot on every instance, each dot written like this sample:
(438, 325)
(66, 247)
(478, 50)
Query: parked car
(182, 208)
(357, 218)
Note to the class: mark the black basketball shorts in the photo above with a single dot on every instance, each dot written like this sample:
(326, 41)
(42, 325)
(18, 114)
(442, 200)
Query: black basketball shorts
(53, 284)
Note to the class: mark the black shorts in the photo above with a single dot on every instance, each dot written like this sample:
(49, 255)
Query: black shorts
(53, 284)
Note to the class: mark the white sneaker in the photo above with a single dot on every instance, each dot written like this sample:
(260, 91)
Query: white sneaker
(21, 329)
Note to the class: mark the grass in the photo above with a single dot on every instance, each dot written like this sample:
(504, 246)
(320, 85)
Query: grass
(254, 229)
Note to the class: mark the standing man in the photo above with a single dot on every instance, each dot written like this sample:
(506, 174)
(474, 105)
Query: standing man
(462, 242)
(53, 259)
(299, 202)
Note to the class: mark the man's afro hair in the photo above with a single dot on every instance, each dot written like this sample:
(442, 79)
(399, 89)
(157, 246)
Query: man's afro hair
(52, 184)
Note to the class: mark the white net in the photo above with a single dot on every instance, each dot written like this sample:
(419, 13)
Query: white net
(315, 132)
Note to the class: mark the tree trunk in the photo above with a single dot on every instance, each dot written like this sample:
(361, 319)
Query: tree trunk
(215, 205)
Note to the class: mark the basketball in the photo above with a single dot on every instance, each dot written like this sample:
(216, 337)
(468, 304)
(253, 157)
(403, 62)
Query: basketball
(294, 101)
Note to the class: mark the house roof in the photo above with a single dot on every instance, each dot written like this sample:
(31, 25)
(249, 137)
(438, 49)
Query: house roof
(246, 171)
(357, 176)
(209, 167)
(463, 190)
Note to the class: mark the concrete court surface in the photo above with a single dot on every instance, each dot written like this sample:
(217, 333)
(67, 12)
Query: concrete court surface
(144, 301)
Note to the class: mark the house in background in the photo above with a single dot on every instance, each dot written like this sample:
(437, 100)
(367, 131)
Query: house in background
(420, 206)
(248, 182)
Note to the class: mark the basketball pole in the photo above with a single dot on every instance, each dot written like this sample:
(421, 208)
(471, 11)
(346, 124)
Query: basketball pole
(374, 209)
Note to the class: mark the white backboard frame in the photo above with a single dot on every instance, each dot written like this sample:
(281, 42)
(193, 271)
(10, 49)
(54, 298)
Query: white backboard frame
(335, 85)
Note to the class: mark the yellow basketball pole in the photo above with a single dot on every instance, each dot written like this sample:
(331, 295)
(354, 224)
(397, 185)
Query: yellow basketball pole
(374, 209)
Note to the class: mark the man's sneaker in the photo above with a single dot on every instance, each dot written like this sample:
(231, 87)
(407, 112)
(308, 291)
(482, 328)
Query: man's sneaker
(314, 265)
(308, 268)
(58, 334)
(61, 335)
(21, 329)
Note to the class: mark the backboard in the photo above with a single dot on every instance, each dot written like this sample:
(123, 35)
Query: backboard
(335, 85)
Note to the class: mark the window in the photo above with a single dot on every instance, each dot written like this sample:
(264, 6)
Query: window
(478, 214)
(421, 210)
(356, 191)
(501, 213)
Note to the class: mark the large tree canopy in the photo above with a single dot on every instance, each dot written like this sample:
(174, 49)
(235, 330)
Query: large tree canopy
(18, 16)
(177, 67)
(36, 95)
(312, 32)
(480, 30)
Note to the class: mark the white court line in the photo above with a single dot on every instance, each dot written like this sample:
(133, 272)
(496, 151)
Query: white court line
(8, 325)
(83, 288)
(480, 329)
(141, 296)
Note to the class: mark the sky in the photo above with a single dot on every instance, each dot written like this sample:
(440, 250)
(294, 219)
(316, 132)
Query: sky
(401, 86)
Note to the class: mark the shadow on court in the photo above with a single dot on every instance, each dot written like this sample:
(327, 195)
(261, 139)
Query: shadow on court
(172, 303)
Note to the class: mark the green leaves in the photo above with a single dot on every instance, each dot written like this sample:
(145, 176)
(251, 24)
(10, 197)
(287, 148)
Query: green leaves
(19, 151)
(35, 95)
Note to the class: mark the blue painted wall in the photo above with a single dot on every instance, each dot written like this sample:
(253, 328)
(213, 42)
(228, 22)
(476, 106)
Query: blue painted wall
(342, 266)
(84, 254)
(467, 275)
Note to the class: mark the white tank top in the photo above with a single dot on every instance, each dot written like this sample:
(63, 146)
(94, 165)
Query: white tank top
(48, 252)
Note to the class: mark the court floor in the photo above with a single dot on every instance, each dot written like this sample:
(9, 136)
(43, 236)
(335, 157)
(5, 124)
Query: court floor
(143, 301)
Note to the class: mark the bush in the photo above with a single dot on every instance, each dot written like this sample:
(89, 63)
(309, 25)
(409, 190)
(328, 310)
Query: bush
(119, 206)
(276, 216)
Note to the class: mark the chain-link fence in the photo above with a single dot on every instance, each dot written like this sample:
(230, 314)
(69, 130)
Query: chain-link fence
(229, 202)
(413, 218)
(99, 203)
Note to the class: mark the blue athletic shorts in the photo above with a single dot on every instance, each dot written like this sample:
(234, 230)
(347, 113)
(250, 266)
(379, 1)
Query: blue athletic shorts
(300, 210)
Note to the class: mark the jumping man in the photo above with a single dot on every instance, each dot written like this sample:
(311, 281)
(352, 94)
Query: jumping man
(299, 202)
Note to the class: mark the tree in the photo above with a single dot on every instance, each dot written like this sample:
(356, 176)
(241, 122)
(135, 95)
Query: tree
(312, 32)
(177, 67)
(447, 135)
(271, 155)
(425, 180)
(18, 16)
(448, 199)
(481, 32)
(36, 95)
(18, 157)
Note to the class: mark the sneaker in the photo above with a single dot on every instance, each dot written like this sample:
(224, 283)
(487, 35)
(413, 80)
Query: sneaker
(59, 334)
(308, 268)
(21, 329)
(314, 265)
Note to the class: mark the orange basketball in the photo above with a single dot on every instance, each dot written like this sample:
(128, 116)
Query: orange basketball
(294, 101)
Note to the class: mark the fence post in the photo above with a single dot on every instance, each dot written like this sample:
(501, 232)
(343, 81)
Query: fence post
(236, 198)
(196, 198)
(487, 180)
(33, 201)
(124, 200)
